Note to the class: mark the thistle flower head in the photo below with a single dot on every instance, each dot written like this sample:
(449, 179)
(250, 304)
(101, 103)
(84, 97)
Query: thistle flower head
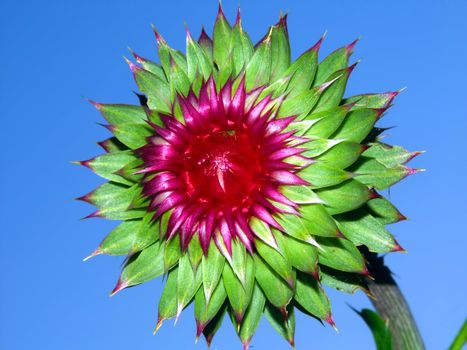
(246, 178)
(220, 166)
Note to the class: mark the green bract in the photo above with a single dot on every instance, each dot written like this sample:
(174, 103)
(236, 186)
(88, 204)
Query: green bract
(279, 251)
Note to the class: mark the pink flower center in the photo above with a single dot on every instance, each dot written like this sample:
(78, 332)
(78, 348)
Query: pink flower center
(222, 168)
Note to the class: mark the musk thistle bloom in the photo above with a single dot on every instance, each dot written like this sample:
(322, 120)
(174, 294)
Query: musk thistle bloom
(248, 180)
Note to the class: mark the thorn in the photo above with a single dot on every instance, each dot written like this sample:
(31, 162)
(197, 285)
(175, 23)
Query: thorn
(118, 287)
(246, 344)
(317, 46)
(373, 194)
(380, 111)
(179, 311)
(331, 322)
(349, 48)
(414, 154)
(238, 20)
(93, 254)
(316, 275)
(103, 144)
(402, 217)
(85, 163)
(398, 247)
(94, 103)
(350, 69)
(220, 12)
(160, 40)
(238, 319)
(109, 127)
(292, 342)
(401, 90)
(411, 171)
(85, 198)
(137, 57)
(133, 67)
(203, 36)
(199, 329)
(96, 214)
(160, 320)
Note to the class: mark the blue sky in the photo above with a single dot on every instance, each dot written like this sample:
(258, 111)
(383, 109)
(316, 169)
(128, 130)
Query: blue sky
(55, 52)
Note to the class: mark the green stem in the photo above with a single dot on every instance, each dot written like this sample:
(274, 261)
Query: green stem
(390, 303)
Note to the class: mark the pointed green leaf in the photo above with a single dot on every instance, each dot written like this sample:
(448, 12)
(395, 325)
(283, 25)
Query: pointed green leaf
(327, 122)
(163, 222)
(342, 155)
(300, 104)
(316, 147)
(384, 211)
(357, 125)
(106, 165)
(212, 265)
(277, 291)
(321, 175)
(166, 53)
(295, 227)
(262, 231)
(168, 300)
(205, 42)
(381, 100)
(114, 200)
(112, 144)
(284, 326)
(129, 237)
(340, 254)
(332, 97)
(148, 264)
(221, 39)
(300, 194)
(275, 259)
(239, 295)
(312, 297)
(156, 90)
(152, 67)
(172, 252)
(188, 282)
(128, 123)
(252, 316)
(242, 49)
(239, 260)
(303, 256)
(276, 89)
(344, 197)
(389, 156)
(362, 228)
(342, 281)
(197, 60)
(258, 70)
(195, 252)
(280, 50)
(302, 72)
(211, 329)
(318, 221)
(339, 59)
(179, 81)
(372, 173)
(206, 310)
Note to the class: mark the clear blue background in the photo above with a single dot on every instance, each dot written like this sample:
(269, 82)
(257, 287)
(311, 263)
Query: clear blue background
(55, 52)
